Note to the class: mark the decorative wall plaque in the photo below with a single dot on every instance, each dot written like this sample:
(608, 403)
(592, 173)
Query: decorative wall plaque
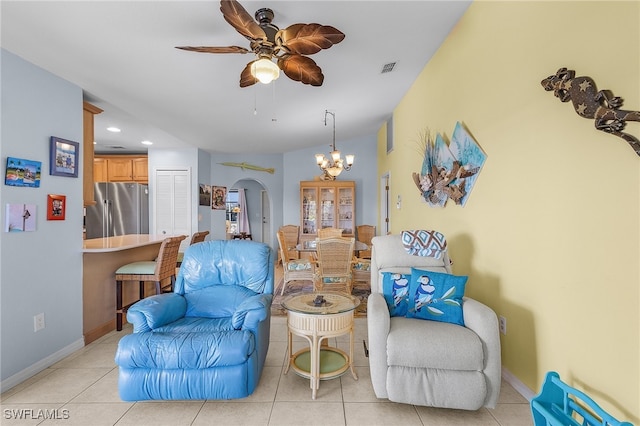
(591, 103)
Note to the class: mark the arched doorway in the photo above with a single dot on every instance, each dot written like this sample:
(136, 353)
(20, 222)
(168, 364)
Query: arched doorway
(258, 208)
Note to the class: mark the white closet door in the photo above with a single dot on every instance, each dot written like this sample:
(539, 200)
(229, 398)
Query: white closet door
(172, 203)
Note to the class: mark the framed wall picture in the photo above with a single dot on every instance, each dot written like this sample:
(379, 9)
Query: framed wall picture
(63, 157)
(219, 197)
(21, 172)
(205, 195)
(56, 207)
(20, 218)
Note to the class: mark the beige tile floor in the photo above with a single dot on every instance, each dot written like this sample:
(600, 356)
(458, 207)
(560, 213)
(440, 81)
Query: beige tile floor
(83, 388)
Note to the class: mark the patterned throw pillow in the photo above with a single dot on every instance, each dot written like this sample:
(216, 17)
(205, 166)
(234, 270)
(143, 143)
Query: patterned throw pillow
(395, 288)
(436, 296)
(424, 243)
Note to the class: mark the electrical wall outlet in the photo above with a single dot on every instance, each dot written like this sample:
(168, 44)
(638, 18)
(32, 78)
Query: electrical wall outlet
(502, 324)
(38, 322)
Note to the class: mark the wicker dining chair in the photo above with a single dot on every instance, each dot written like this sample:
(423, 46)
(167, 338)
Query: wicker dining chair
(361, 270)
(291, 240)
(197, 237)
(334, 263)
(329, 232)
(293, 269)
(364, 234)
(152, 270)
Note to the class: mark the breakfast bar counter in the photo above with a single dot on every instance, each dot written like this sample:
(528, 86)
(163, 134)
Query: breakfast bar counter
(122, 242)
(101, 258)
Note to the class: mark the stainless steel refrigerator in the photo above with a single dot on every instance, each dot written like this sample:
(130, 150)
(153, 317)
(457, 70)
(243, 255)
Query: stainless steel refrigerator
(120, 209)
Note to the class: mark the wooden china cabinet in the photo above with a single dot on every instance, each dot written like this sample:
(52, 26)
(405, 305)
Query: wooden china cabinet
(327, 204)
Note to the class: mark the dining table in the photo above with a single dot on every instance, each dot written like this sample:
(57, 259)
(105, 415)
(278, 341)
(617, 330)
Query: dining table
(310, 246)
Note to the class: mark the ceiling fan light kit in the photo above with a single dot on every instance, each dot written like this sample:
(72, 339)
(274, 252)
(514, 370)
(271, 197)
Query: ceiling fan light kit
(333, 166)
(265, 70)
(267, 41)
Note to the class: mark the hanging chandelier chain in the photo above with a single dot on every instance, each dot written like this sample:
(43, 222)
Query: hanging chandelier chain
(334, 164)
(333, 114)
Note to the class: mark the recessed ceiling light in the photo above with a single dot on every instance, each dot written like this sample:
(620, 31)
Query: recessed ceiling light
(146, 143)
(113, 129)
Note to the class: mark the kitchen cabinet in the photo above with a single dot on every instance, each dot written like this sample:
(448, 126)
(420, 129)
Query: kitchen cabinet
(326, 204)
(100, 170)
(140, 169)
(120, 168)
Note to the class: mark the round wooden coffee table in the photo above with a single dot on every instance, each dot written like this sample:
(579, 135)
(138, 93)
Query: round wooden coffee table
(316, 317)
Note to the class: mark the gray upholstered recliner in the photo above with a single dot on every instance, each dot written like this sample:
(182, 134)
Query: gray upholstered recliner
(422, 362)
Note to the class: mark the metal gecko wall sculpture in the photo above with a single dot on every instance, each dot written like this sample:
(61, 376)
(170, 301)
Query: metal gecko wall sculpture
(591, 103)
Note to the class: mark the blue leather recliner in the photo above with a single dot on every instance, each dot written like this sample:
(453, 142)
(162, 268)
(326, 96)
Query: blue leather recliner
(209, 338)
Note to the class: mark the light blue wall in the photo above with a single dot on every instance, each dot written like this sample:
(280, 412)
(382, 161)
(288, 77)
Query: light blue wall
(283, 186)
(301, 165)
(228, 176)
(41, 271)
(204, 172)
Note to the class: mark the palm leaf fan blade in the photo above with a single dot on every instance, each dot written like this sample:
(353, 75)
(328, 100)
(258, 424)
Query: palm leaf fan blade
(302, 69)
(214, 49)
(238, 17)
(307, 39)
(246, 78)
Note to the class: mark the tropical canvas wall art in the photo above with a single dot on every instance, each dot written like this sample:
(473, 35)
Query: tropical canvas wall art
(449, 171)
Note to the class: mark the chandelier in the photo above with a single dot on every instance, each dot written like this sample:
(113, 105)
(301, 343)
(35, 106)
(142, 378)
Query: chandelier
(334, 165)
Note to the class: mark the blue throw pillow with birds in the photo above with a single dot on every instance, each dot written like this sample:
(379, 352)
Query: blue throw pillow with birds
(436, 296)
(395, 288)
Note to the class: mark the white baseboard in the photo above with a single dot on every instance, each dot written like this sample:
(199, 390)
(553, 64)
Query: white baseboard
(520, 387)
(44, 363)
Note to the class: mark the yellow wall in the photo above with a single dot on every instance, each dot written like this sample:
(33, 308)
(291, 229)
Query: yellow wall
(550, 235)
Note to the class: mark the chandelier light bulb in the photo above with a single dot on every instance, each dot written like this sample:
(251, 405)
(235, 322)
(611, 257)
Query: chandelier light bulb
(334, 171)
(350, 158)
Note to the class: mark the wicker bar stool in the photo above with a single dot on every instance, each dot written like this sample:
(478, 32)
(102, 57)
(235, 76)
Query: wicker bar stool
(152, 270)
(197, 237)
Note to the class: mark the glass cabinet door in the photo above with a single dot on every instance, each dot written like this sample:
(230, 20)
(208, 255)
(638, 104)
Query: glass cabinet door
(309, 210)
(345, 211)
(327, 208)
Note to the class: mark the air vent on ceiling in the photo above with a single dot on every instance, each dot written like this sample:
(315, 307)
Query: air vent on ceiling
(117, 147)
(388, 67)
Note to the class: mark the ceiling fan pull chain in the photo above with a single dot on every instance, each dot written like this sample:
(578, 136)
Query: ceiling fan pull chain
(255, 102)
(275, 104)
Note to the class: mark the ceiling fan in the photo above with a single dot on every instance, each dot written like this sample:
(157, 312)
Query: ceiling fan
(267, 41)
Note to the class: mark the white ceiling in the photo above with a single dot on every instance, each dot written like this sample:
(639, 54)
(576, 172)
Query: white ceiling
(122, 54)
